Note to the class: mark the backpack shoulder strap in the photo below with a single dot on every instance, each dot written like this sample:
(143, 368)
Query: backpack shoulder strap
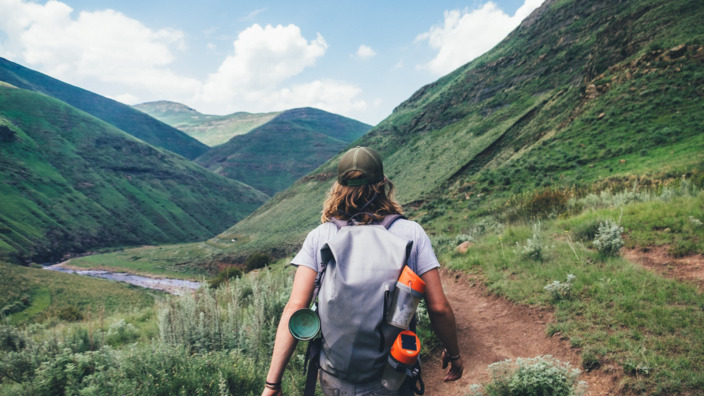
(386, 221)
(390, 219)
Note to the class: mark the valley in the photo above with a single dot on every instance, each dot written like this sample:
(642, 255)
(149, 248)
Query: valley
(560, 177)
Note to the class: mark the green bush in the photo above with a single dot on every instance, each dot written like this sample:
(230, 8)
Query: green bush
(539, 376)
(225, 275)
(256, 261)
(70, 314)
(608, 238)
(216, 342)
(560, 290)
(586, 231)
(10, 339)
(121, 332)
(241, 315)
(533, 249)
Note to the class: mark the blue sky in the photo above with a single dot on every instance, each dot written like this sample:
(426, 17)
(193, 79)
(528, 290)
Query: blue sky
(359, 59)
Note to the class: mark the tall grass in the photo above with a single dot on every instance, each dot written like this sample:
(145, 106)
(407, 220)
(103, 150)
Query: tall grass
(624, 319)
(211, 342)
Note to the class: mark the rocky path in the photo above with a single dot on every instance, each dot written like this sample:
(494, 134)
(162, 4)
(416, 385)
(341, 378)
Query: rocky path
(493, 329)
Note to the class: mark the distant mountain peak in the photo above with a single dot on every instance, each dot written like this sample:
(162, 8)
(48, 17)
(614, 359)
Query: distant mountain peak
(165, 106)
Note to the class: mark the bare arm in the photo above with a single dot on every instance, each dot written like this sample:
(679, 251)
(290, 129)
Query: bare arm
(285, 344)
(442, 318)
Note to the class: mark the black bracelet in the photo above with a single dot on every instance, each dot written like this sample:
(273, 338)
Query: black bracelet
(451, 358)
(273, 385)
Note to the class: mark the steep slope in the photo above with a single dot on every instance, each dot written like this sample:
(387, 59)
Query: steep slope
(119, 115)
(211, 130)
(70, 182)
(578, 93)
(272, 156)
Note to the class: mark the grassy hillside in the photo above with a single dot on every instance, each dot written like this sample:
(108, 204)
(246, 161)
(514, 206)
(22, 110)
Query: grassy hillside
(578, 94)
(580, 132)
(35, 295)
(71, 182)
(119, 115)
(211, 130)
(274, 155)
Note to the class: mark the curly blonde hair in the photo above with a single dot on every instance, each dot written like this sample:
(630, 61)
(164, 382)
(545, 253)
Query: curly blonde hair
(343, 202)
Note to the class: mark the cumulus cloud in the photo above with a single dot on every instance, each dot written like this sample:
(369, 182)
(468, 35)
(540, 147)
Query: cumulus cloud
(263, 59)
(467, 34)
(365, 51)
(104, 45)
(330, 95)
(110, 53)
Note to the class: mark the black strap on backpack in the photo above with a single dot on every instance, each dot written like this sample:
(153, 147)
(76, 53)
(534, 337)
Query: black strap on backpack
(312, 365)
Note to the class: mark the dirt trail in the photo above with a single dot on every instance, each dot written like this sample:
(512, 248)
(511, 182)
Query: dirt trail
(492, 329)
(656, 258)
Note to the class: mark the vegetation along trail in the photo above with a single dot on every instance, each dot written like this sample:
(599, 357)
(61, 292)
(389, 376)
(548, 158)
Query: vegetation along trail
(492, 329)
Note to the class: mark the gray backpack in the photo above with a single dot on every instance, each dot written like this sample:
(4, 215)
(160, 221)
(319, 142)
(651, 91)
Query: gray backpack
(360, 268)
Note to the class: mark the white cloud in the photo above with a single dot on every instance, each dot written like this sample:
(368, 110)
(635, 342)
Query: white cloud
(112, 54)
(127, 99)
(106, 46)
(365, 52)
(330, 95)
(264, 58)
(468, 34)
(253, 14)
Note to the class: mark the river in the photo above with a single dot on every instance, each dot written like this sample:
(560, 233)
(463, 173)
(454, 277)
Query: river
(170, 285)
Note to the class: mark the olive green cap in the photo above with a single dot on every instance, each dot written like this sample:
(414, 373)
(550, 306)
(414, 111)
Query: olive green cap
(362, 159)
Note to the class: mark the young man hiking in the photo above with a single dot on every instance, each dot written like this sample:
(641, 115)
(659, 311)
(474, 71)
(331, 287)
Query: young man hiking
(361, 198)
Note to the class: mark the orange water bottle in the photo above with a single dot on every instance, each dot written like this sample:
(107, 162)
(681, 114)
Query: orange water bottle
(402, 359)
(407, 294)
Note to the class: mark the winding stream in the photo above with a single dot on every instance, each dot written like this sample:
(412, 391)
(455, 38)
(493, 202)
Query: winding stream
(170, 285)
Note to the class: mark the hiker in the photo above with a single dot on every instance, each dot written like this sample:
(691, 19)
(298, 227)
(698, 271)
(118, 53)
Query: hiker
(362, 195)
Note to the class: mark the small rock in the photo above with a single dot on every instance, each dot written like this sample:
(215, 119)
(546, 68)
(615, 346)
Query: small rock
(678, 51)
(463, 247)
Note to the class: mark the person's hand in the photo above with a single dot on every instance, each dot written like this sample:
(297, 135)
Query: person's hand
(271, 392)
(456, 366)
(272, 389)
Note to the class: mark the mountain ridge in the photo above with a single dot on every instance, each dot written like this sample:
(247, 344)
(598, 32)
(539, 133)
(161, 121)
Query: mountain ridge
(211, 130)
(567, 99)
(120, 115)
(71, 182)
(274, 155)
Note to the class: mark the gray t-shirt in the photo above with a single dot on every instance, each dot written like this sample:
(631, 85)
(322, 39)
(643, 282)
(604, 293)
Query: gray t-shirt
(421, 260)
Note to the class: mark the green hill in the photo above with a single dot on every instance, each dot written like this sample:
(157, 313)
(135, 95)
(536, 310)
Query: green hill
(119, 115)
(70, 182)
(211, 130)
(274, 155)
(580, 95)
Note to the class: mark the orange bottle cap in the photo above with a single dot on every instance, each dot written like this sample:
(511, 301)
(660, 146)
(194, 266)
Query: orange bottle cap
(406, 348)
(410, 279)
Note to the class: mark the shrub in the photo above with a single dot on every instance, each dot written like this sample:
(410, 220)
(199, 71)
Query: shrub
(695, 222)
(542, 375)
(70, 314)
(11, 339)
(461, 238)
(533, 249)
(608, 238)
(541, 204)
(590, 360)
(242, 315)
(256, 261)
(121, 332)
(586, 231)
(225, 275)
(559, 290)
